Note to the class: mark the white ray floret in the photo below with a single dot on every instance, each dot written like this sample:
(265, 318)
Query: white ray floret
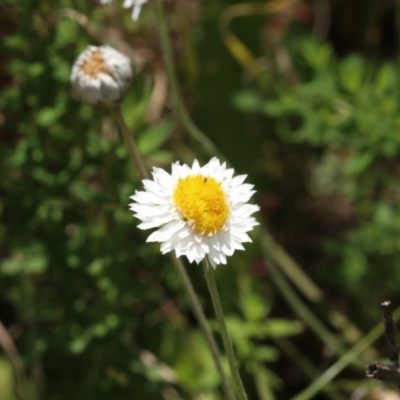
(136, 6)
(198, 211)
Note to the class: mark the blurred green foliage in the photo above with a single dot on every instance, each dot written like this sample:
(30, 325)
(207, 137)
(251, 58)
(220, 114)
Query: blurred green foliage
(346, 111)
(95, 312)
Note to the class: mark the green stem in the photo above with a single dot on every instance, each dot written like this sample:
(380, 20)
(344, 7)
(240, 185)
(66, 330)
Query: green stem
(202, 320)
(133, 151)
(307, 368)
(178, 264)
(184, 117)
(302, 310)
(289, 267)
(340, 364)
(212, 287)
(263, 389)
(397, 22)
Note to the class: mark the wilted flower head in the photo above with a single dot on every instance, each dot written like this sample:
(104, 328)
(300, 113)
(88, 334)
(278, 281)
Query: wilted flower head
(200, 211)
(135, 4)
(101, 75)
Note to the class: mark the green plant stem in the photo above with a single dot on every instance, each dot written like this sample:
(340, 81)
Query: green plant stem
(263, 389)
(133, 151)
(307, 368)
(302, 310)
(345, 360)
(194, 132)
(397, 22)
(212, 287)
(289, 267)
(202, 320)
(178, 264)
(273, 251)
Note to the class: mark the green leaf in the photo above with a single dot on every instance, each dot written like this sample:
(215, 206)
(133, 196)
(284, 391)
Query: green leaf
(48, 115)
(154, 137)
(266, 353)
(7, 380)
(29, 260)
(253, 307)
(317, 54)
(359, 163)
(276, 327)
(351, 72)
(386, 78)
(79, 344)
(247, 101)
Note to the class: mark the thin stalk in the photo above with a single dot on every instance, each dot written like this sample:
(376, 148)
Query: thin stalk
(397, 22)
(183, 115)
(307, 368)
(343, 362)
(263, 389)
(133, 151)
(289, 267)
(178, 264)
(302, 310)
(226, 338)
(202, 320)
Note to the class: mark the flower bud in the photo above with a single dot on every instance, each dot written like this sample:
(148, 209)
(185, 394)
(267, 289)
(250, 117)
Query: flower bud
(101, 75)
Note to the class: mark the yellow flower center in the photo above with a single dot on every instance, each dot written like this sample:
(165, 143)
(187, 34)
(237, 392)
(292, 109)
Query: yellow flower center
(95, 65)
(202, 201)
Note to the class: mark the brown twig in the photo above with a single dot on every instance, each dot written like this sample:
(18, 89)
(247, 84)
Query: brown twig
(390, 333)
(382, 372)
(387, 373)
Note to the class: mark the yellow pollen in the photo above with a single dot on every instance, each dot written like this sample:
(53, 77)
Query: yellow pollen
(95, 65)
(202, 201)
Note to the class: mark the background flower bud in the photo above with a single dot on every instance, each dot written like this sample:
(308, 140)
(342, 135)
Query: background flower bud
(101, 75)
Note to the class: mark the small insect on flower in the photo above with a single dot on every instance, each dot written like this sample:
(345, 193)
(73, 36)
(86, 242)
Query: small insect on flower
(101, 75)
(199, 211)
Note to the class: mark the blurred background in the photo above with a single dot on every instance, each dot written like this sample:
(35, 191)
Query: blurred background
(303, 96)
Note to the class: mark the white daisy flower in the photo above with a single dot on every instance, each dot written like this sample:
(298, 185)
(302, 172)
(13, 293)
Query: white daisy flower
(199, 211)
(101, 75)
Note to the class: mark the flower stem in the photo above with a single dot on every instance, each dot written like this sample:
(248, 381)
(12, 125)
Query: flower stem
(184, 116)
(178, 264)
(133, 151)
(202, 320)
(212, 287)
